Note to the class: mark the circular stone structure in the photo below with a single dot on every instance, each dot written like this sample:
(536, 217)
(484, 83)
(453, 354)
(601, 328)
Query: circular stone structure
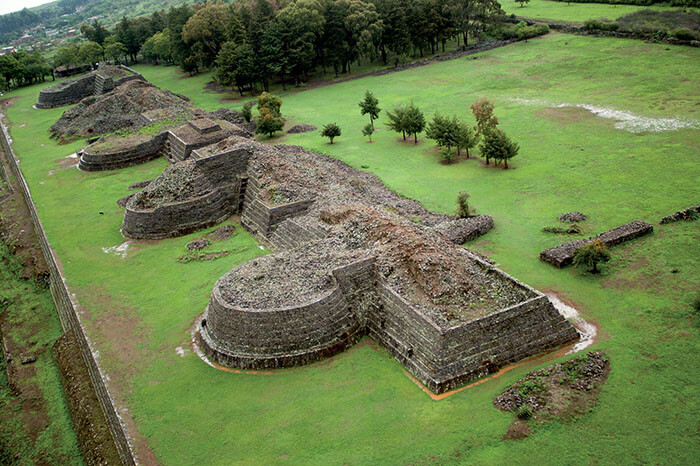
(274, 337)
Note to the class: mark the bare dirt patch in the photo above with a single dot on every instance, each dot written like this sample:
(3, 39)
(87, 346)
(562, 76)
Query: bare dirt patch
(567, 115)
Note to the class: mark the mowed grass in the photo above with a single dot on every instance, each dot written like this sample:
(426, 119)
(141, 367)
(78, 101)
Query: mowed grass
(574, 12)
(360, 408)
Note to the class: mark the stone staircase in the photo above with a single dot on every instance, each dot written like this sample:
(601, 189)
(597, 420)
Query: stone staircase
(99, 85)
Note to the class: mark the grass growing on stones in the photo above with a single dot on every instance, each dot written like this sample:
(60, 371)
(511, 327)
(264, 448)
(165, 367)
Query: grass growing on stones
(359, 408)
(574, 12)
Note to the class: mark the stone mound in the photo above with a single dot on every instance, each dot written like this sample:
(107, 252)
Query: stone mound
(221, 233)
(198, 244)
(177, 183)
(117, 110)
(124, 200)
(558, 389)
(572, 217)
(301, 129)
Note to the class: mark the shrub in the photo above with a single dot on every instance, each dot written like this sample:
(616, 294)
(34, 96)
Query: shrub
(464, 210)
(246, 111)
(685, 34)
(597, 25)
(331, 131)
(590, 255)
(525, 412)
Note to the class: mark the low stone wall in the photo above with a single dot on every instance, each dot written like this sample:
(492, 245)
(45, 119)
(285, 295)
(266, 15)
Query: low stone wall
(141, 153)
(684, 214)
(70, 319)
(563, 254)
(66, 93)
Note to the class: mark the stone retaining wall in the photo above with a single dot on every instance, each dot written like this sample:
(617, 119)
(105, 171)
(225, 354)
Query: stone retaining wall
(563, 254)
(66, 93)
(70, 319)
(181, 218)
(274, 338)
(141, 153)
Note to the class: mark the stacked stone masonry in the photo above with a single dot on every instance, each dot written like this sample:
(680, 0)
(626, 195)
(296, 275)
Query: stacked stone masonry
(441, 353)
(75, 90)
(690, 213)
(563, 255)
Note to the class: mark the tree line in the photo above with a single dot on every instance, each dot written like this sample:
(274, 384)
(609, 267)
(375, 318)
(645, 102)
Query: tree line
(250, 42)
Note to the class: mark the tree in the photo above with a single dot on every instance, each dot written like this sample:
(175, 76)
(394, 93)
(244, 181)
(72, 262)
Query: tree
(271, 55)
(465, 137)
(368, 130)
(522, 2)
(67, 56)
(114, 50)
(443, 131)
(414, 121)
(590, 255)
(330, 131)
(95, 33)
(246, 112)
(485, 119)
(498, 146)
(207, 29)
(464, 210)
(270, 120)
(370, 106)
(90, 52)
(397, 120)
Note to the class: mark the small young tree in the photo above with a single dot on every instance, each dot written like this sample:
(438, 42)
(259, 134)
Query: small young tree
(268, 123)
(330, 131)
(397, 120)
(270, 120)
(443, 131)
(414, 121)
(498, 146)
(368, 131)
(246, 111)
(485, 119)
(590, 255)
(370, 105)
(465, 137)
(464, 210)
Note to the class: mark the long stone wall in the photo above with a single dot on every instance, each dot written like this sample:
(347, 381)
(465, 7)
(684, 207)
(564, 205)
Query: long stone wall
(70, 319)
(563, 254)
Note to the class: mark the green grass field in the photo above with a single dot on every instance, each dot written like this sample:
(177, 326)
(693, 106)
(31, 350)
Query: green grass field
(360, 408)
(574, 12)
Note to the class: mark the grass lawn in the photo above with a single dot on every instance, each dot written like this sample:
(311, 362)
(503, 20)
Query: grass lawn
(574, 12)
(360, 408)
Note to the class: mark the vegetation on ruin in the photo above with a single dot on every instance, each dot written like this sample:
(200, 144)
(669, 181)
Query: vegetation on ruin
(360, 407)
